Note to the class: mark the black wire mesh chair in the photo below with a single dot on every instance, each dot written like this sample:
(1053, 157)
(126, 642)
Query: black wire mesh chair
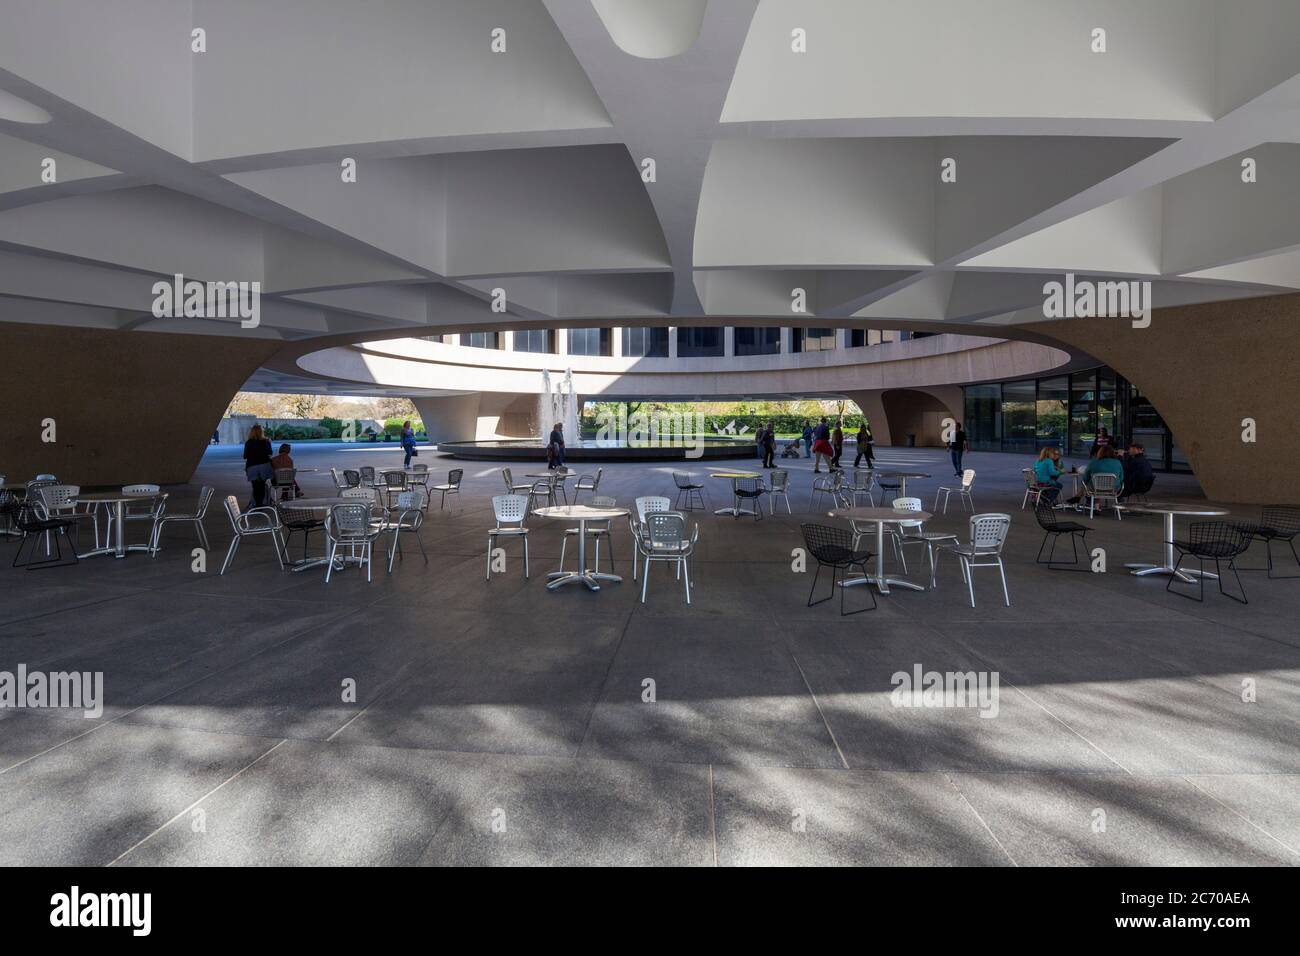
(688, 488)
(833, 548)
(747, 489)
(1276, 523)
(1215, 541)
(1053, 528)
(35, 524)
(293, 520)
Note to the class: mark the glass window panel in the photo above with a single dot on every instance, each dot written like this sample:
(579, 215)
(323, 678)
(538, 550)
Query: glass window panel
(758, 341)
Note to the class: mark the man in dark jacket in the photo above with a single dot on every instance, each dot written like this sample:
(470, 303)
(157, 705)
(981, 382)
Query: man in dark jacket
(1139, 476)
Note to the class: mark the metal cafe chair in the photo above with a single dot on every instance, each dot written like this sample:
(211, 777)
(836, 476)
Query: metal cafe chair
(666, 541)
(1276, 523)
(835, 548)
(963, 492)
(988, 533)
(779, 488)
(250, 524)
(690, 489)
(407, 517)
(596, 530)
(351, 525)
(1103, 488)
(1053, 528)
(452, 486)
(1216, 541)
(511, 512)
(748, 489)
(36, 524)
(196, 519)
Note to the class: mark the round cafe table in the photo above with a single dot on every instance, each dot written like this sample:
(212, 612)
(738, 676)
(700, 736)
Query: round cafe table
(581, 514)
(1169, 510)
(318, 505)
(116, 501)
(902, 477)
(732, 476)
(881, 517)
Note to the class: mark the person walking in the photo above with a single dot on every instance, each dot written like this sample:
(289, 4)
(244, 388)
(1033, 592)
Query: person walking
(555, 447)
(821, 446)
(769, 446)
(408, 443)
(257, 464)
(758, 440)
(864, 445)
(807, 436)
(957, 446)
(837, 442)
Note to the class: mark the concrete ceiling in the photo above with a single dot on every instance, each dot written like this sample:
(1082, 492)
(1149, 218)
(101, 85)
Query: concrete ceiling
(522, 170)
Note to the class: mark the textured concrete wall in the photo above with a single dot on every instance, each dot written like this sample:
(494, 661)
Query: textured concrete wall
(478, 416)
(1206, 368)
(895, 413)
(127, 406)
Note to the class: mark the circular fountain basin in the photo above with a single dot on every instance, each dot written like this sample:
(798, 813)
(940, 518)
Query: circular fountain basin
(534, 449)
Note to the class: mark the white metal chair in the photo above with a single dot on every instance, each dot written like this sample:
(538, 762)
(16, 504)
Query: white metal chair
(963, 491)
(636, 522)
(511, 487)
(542, 488)
(904, 533)
(283, 482)
(587, 483)
(596, 530)
(351, 525)
(407, 517)
(833, 485)
(864, 483)
(151, 511)
(200, 512)
(452, 486)
(340, 482)
(367, 475)
(250, 524)
(778, 487)
(60, 502)
(988, 533)
(1104, 488)
(510, 511)
(392, 484)
(666, 540)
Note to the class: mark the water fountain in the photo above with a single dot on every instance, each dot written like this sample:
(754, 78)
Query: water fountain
(557, 404)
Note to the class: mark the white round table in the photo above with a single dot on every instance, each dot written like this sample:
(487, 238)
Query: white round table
(881, 517)
(1169, 510)
(321, 504)
(581, 514)
(902, 477)
(117, 501)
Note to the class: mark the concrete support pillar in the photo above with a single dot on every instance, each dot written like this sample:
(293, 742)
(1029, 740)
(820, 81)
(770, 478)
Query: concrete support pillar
(672, 341)
(729, 341)
(561, 341)
(616, 341)
(1212, 371)
(508, 340)
(124, 407)
(453, 418)
(786, 335)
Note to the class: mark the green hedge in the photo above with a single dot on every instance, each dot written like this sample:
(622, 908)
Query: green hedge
(784, 424)
(298, 432)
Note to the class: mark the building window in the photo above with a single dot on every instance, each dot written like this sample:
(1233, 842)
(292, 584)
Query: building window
(812, 340)
(1019, 430)
(758, 341)
(481, 340)
(983, 422)
(589, 342)
(1053, 412)
(699, 342)
(645, 343)
(535, 340)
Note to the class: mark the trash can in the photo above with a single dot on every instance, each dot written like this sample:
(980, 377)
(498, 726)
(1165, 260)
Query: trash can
(911, 441)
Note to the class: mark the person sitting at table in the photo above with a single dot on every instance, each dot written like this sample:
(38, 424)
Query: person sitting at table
(1139, 476)
(1106, 463)
(283, 460)
(1048, 471)
(1102, 440)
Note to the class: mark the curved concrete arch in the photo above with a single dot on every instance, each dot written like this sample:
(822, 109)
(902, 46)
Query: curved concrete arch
(652, 29)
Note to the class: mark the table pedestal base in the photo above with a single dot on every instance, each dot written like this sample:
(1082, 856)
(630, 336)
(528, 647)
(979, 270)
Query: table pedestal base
(592, 579)
(734, 512)
(1186, 575)
(882, 584)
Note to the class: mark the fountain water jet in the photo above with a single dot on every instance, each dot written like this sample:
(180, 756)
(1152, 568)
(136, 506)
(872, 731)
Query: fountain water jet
(557, 404)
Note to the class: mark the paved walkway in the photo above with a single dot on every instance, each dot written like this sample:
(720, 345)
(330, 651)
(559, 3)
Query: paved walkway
(497, 722)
